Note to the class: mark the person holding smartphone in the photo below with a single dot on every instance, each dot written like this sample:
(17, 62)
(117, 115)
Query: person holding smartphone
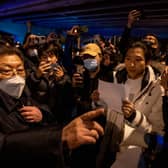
(50, 84)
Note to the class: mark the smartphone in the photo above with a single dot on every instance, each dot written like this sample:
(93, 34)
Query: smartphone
(54, 66)
(76, 30)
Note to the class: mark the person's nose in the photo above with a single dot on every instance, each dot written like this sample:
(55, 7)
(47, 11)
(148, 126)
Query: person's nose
(132, 64)
(14, 72)
(48, 59)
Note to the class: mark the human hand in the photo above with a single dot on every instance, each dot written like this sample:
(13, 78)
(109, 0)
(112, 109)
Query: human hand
(77, 80)
(95, 96)
(43, 68)
(58, 72)
(31, 114)
(128, 108)
(83, 130)
(133, 16)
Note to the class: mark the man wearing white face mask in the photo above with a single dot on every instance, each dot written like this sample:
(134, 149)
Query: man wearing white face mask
(26, 142)
(13, 86)
(15, 94)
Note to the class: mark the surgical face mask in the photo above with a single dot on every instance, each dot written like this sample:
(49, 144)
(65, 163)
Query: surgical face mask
(13, 86)
(90, 64)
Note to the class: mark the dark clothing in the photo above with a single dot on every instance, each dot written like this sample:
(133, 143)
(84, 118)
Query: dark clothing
(70, 44)
(38, 147)
(10, 106)
(85, 156)
(165, 115)
(82, 94)
(55, 94)
(103, 153)
(24, 144)
(125, 41)
(162, 157)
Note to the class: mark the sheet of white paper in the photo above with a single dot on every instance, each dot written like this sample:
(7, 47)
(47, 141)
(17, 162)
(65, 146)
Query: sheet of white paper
(112, 94)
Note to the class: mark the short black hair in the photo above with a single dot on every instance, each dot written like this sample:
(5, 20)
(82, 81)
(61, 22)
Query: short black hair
(50, 48)
(11, 50)
(140, 44)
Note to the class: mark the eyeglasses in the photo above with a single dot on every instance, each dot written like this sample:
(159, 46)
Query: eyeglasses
(12, 72)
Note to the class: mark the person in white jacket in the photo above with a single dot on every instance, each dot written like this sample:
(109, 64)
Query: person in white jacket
(141, 110)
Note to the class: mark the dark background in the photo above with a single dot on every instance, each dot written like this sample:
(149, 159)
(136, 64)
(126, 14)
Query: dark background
(106, 17)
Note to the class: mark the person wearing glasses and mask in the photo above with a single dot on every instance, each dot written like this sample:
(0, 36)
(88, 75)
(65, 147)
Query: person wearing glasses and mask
(26, 138)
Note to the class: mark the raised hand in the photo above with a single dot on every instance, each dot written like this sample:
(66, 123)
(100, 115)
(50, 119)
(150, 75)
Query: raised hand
(133, 16)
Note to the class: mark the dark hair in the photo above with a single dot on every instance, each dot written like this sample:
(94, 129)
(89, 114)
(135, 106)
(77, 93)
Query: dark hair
(151, 34)
(50, 48)
(10, 50)
(142, 45)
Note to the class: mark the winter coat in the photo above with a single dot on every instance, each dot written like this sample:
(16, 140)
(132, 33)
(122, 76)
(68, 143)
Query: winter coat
(27, 145)
(149, 115)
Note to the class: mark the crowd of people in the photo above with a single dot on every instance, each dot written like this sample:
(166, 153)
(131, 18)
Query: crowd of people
(52, 113)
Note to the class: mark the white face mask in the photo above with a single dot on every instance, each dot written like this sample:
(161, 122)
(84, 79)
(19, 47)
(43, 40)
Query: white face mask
(13, 86)
(90, 64)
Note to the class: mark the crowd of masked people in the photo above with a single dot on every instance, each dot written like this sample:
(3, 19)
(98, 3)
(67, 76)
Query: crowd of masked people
(51, 111)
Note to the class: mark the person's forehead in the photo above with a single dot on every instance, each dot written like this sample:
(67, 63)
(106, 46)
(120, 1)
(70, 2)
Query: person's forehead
(85, 56)
(135, 51)
(10, 59)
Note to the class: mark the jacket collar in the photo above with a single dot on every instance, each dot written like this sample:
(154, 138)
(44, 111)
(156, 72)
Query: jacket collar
(10, 103)
(148, 76)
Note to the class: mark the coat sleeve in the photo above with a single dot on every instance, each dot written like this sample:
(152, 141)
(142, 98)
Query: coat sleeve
(34, 143)
(152, 120)
(149, 118)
